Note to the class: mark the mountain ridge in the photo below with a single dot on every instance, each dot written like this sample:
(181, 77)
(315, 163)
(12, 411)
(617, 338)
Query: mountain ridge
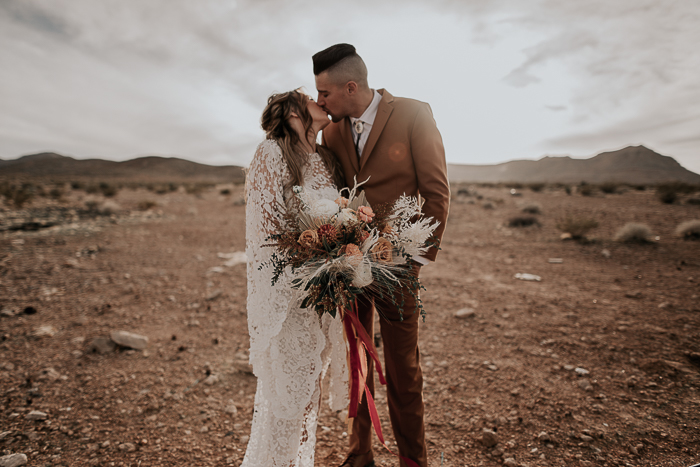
(51, 164)
(633, 164)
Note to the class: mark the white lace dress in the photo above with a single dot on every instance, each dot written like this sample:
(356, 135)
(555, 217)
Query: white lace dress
(291, 349)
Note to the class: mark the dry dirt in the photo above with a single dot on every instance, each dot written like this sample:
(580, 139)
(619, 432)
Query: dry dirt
(629, 319)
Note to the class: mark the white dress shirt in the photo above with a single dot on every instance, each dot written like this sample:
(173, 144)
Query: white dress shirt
(367, 119)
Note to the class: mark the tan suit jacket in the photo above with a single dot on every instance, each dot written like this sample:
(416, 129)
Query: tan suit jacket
(403, 154)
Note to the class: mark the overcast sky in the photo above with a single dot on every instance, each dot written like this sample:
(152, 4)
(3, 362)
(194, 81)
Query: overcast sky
(507, 79)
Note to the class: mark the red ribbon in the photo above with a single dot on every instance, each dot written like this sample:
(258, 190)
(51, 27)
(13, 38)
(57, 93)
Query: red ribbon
(357, 339)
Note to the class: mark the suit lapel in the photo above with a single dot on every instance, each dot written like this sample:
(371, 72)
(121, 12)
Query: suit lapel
(346, 135)
(383, 112)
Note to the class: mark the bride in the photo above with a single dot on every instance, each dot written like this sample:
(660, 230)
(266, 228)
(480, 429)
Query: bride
(291, 349)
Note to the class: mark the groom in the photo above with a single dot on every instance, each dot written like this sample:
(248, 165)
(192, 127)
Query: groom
(395, 143)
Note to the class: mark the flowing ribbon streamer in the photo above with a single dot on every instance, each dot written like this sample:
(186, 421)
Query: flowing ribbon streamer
(357, 339)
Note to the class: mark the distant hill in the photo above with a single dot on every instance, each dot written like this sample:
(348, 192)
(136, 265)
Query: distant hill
(151, 168)
(633, 164)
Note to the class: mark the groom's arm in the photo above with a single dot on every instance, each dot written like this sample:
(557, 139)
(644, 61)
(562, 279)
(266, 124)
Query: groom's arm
(431, 171)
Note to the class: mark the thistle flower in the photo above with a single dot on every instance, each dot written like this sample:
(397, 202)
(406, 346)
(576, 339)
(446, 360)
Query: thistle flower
(327, 231)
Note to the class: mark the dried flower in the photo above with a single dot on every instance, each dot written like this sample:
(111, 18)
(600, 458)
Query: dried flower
(382, 250)
(328, 232)
(365, 213)
(346, 216)
(353, 255)
(308, 238)
(343, 202)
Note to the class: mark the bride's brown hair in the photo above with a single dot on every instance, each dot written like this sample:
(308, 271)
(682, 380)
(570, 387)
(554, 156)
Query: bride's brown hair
(275, 123)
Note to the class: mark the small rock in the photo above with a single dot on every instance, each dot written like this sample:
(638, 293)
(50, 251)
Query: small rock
(581, 371)
(9, 312)
(13, 460)
(527, 277)
(510, 462)
(101, 345)
(129, 339)
(214, 295)
(585, 385)
(48, 374)
(586, 438)
(636, 294)
(465, 313)
(5, 434)
(35, 415)
(489, 438)
(606, 253)
(211, 380)
(544, 437)
(664, 305)
(231, 408)
(45, 331)
(128, 447)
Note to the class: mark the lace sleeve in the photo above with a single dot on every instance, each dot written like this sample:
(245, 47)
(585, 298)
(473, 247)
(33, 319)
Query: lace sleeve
(265, 209)
(264, 190)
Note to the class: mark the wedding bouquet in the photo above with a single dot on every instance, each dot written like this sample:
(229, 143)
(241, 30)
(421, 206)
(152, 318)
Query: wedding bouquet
(338, 249)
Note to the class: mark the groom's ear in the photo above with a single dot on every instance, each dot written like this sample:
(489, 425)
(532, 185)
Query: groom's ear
(351, 87)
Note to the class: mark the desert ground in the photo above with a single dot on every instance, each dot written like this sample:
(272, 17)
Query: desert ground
(596, 364)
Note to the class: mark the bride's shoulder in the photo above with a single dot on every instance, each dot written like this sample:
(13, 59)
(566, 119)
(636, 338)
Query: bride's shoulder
(267, 150)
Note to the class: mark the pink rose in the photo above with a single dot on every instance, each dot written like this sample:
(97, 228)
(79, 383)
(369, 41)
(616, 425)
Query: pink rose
(365, 214)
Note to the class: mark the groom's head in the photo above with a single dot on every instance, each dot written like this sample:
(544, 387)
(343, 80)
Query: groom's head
(341, 81)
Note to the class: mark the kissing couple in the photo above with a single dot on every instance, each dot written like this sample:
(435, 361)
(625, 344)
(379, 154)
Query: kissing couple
(394, 144)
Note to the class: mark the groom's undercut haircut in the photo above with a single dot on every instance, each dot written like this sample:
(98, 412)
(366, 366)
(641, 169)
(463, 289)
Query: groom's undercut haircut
(343, 64)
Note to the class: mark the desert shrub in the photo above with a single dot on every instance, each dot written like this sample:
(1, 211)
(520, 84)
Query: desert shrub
(92, 189)
(108, 189)
(669, 193)
(108, 208)
(161, 189)
(523, 221)
(91, 205)
(586, 190)
(17, 195)
(56, 192)
(693, 201)
(609, 187)
(639, 187)
(577, 227)
(145, 205)
(633, 232)
(196, 188)
(689, 230)
(225, 191)
(77, 185)
(536, 187)
(532, 208)
(488, 205)
(515, 185)
(567, 189)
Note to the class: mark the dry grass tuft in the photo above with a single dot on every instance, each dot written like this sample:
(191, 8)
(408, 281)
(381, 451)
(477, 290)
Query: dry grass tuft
(633, 232)
(577, 227)
(145, 205)
(523, 221)
(532, 208)
(689, 230)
